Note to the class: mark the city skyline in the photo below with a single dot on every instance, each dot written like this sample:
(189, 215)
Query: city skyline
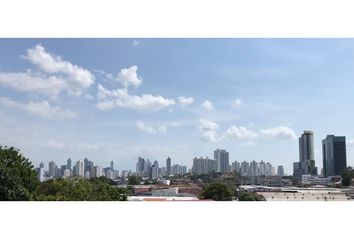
(118, 99)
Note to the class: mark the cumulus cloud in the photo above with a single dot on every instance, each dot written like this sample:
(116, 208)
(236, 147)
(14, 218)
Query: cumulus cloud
(54, 76)
(209, 130)
(123, 99)
(237, 103)
(129, 77)
(240, 133)
(184, 101)
(207, 105)
(280, 132)
(42, 109)
(78, 78)
(150, 129)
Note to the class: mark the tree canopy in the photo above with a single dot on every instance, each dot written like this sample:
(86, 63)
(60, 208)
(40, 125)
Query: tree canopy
(347, 176)
(218, 191)
(18, 178)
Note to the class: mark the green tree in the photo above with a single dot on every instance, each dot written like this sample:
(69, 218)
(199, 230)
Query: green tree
(250, 196)
(347, 176)
(18, 179)
(218, 191)
(95, 189)
(134, 180)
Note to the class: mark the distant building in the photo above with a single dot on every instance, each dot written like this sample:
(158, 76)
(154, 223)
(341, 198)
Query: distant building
(280, 171)
(245, 168)
(168, 166)
(306, 165)
(112, 165)
(236, 167)
(334, 155)
(67, 173)
(80, 169)
(41, 172)
(97, 171)
(155, 170)
(52, 169)
(109, 174)
(203, 165)
(141, 167)
(68, 164)
(222, 159)
(253, 169)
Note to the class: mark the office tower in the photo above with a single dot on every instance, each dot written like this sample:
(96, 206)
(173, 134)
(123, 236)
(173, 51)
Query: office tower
(79, 169)
(306, 165)
(162, 172)
(52, 169)
(168, 166)
(66, 173)
(203, 165)
(245, 168)
(87, 174)
(41, 172)
(334, 155)
(184, 170)
(222, 159)
(280, 172)
(141, 167)
(68, 164)
(268, 169)
(148, 170)
(97, 171)
(155, 170)
(273, 171)
(112, 165)
(109, 174)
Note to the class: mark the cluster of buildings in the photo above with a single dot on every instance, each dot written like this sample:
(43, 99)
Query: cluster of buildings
(221, 164)
(334, 159)
(146, 169)
(82, 168)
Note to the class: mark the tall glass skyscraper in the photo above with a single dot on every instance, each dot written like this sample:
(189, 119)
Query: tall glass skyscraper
(306, 165)
(334, 155)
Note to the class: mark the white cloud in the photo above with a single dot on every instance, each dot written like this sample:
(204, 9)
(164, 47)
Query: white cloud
(42, 109)
(55, 75)
(88, 96)
(240, 133)
(350, 143)
(29, 82)
(209, 130)
(237, 103)
(129, 77)
(121, 98)
(135, 43)
(149, 129)
(78, 78)
(184, 101)
(207, 105)
(280, 132)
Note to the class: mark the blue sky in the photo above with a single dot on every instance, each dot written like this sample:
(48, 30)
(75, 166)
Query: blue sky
(117, 99)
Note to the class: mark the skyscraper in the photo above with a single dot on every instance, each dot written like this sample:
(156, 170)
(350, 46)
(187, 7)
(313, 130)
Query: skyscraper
(334, 155)
(155, 170)
(68, 164)
(80, 169)
(280, 172)
(168, 166)
(306, 165)
(52, 169)
(222, 159)
(112, 165)
(141, 167)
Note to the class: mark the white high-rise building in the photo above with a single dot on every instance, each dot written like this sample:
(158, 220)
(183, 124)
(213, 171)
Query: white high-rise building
(109, 174)
(222, 159)
(262, 167)
(79, 169)
(66, 173)
(253, 169)
(245, 168)
(97, 171)
(236, 167)
(280, 172)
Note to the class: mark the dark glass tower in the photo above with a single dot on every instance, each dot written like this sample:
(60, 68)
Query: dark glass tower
(334, 155)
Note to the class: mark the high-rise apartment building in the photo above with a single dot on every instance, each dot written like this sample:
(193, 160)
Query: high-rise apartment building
(334, 155)
(80, 169)
(168, 166)
(222, 159)
(52, 169)
(203, 165)
(280, 172)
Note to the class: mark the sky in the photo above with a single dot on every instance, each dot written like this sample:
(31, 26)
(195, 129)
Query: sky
(118, 99)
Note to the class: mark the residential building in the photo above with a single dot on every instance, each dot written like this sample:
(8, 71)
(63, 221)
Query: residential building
(168, 166)
(222, 159)
(280, 171)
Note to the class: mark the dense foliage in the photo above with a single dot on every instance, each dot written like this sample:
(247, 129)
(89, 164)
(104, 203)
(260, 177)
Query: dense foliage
(218, 191)
(347, 176)
(95, 189)
(250, 196)
(18, 179)
(134, 180)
